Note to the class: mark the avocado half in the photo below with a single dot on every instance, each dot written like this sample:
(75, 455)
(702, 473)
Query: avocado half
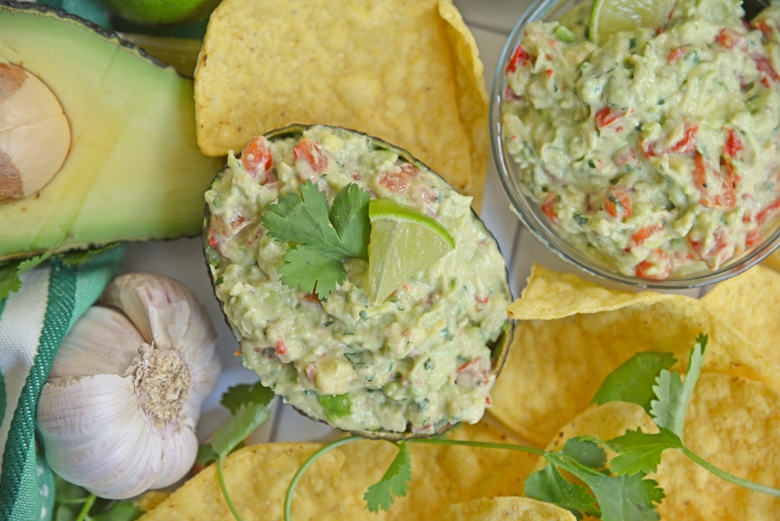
(499, 348)
(133, 171)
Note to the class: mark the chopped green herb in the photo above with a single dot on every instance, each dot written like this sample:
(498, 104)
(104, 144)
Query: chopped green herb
(320, 238)
(394, 483)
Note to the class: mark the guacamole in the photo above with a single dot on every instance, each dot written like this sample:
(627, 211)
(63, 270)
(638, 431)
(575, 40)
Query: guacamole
(657, 152)
(417, 362)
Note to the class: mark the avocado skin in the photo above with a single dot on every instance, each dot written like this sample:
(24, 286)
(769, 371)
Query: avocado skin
(134, 171)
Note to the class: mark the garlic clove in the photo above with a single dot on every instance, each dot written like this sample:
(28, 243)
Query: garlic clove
(178, 449)
(102, 410)
(130, 427)
(161, 308)
(103, 341)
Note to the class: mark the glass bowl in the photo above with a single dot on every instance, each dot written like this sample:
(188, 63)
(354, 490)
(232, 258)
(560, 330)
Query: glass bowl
(571, 246)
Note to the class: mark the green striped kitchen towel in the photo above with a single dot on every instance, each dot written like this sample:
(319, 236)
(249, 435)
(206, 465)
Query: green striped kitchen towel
(33, 322)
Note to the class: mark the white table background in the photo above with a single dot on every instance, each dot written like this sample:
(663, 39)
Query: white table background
(490, 22)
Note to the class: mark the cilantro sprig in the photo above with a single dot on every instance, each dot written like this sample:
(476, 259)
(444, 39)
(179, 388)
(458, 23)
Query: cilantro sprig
(320, 238)
(616, 489)
(248, 405)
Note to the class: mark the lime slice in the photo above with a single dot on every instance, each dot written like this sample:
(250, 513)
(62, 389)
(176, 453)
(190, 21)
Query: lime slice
(610, 16)
(403, 241)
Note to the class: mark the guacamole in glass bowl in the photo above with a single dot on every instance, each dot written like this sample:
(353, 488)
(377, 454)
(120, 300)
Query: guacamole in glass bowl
(415, 363)
(651, 159)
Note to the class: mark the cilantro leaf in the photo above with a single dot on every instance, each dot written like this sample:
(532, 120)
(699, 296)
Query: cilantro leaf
(11, 271)
(320, 238)
(673, 396)
(394, 483)
(240, 394)
(640, 452)
(585, 451)
(311, 269)
(119, 511)
(626, 498)
(550, 486)
(238, 427)
(633, 381)
(610, 497)
(349, 215)
(205, 455)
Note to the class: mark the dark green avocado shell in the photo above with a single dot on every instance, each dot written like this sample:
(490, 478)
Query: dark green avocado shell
(499, 348)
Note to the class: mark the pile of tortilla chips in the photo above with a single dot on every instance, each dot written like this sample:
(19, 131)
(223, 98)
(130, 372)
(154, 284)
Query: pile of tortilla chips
(570, 334)
(333, 487)
(406, 72)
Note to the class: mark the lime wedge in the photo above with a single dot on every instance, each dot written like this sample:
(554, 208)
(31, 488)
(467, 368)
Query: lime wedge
(403, 241)
(610, 16)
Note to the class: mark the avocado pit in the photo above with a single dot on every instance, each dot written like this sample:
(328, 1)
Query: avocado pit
(34, 133)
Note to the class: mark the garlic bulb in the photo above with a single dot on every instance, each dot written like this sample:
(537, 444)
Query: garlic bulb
(119, 410)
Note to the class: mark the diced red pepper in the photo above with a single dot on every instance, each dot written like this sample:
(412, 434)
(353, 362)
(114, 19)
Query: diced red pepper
(548, 207)
(752, 237)
(519, 57)
(731, 39)
(687, 144)
(675, 54)
(713, 255)
(258, 160)
(656, 267)
(720, 190)
(398, 182)
(768, 73)
(645, 232)
(281, 348)
(606, 116)
(761, 217)
(733, 144)
(767, 29)
(308, 151)
(617, 203)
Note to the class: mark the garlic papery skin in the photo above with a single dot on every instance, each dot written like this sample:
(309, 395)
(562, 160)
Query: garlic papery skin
(118, 412)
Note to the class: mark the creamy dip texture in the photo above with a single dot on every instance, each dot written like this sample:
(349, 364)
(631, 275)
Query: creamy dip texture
(658, 151)
(416, 362)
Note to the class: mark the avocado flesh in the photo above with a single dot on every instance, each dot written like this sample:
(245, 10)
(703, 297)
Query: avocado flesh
(134, 171)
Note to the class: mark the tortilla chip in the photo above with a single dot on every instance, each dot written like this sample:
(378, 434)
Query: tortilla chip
(406, 72)
(441, 474)
(555, 365)
(504, 509)
(731, 422)
(773, 261)
(555, 295)
(750, 303)
(257, 477)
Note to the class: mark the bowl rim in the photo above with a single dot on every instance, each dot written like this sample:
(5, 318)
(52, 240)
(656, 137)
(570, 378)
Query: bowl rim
(530, 215)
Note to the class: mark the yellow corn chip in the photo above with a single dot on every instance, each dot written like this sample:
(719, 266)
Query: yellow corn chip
(750, 303)
(257, 477)
(406, 72)
(560, 357)
(504, 509)
(441, 475)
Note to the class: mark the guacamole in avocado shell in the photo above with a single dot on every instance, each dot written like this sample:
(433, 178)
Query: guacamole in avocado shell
(657, 152)
(416, 362)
